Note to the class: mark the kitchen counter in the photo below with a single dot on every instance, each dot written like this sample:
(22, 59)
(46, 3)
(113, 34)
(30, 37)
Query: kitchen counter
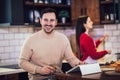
(13, 74)
(6, 71)
(107, 75)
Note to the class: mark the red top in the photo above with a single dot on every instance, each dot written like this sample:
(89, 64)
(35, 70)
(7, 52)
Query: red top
(88, 47)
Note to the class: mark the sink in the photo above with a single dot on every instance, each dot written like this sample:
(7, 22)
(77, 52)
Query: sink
(14, 66)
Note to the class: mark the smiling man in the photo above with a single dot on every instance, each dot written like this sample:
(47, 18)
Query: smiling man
(48, 22)
(43, 52)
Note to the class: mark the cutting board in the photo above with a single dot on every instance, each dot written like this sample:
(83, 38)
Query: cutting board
(111, 73)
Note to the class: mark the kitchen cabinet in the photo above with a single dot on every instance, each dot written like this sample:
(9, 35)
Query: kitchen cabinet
(109, 11)
(85, 7)
(2, 77)
(9, 77)
(23, 76)
(11, 12)
(92, 10)
(12, 77)
(32, 10)
(27, 12)
(16, 76)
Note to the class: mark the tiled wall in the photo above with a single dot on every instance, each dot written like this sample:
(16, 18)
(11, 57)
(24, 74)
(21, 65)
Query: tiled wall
(113, 41)
(11, 39)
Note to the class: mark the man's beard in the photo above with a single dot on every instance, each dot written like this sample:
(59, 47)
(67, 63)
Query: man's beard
(47, 28)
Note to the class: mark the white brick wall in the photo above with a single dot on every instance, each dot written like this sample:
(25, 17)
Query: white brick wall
(12, 38)
(113, 41)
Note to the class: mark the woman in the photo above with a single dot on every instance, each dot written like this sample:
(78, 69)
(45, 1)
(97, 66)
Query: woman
(85, 43)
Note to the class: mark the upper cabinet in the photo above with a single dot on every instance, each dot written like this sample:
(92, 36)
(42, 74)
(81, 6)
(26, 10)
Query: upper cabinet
(11, 12)
(85, 7)
(92, 10)
(33, 8)
(109, 11)
(27, 12)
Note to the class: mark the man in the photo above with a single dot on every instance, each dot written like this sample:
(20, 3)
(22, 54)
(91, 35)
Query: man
(44, 51)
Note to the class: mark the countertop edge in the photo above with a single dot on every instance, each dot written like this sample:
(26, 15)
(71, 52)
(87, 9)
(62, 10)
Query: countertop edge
(11, 71)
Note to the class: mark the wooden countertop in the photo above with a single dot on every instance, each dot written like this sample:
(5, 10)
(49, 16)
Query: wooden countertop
(77, 76)
(107, 75)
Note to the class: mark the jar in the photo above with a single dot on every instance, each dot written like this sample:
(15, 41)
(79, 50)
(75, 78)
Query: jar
(117, 68)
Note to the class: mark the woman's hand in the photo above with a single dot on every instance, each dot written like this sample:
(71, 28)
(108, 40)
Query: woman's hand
(109, 51)
(103, 37)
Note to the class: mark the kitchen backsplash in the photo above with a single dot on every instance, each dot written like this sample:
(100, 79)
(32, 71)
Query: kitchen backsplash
(11, 39)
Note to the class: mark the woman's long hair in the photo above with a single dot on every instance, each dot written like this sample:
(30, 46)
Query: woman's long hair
(80, 28)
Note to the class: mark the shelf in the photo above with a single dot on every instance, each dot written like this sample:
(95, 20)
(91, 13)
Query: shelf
(32, 11)
(64, 24)
(106, 2)
(29, 3)
(107, 22)
(109, 11)
(51, 5)
(35, 28)
(59, 24)
(46, 5)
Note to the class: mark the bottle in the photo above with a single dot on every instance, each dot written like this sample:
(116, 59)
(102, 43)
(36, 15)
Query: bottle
(59, 1)
(46, 1)
(107, 17)
(68, 2)
(111, 17)
(35, 1)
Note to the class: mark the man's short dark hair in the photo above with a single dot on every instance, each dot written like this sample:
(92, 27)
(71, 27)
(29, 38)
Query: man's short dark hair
(48, 10)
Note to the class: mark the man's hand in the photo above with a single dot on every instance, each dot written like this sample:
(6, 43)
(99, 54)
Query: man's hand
(45, 70)
(82, 62)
